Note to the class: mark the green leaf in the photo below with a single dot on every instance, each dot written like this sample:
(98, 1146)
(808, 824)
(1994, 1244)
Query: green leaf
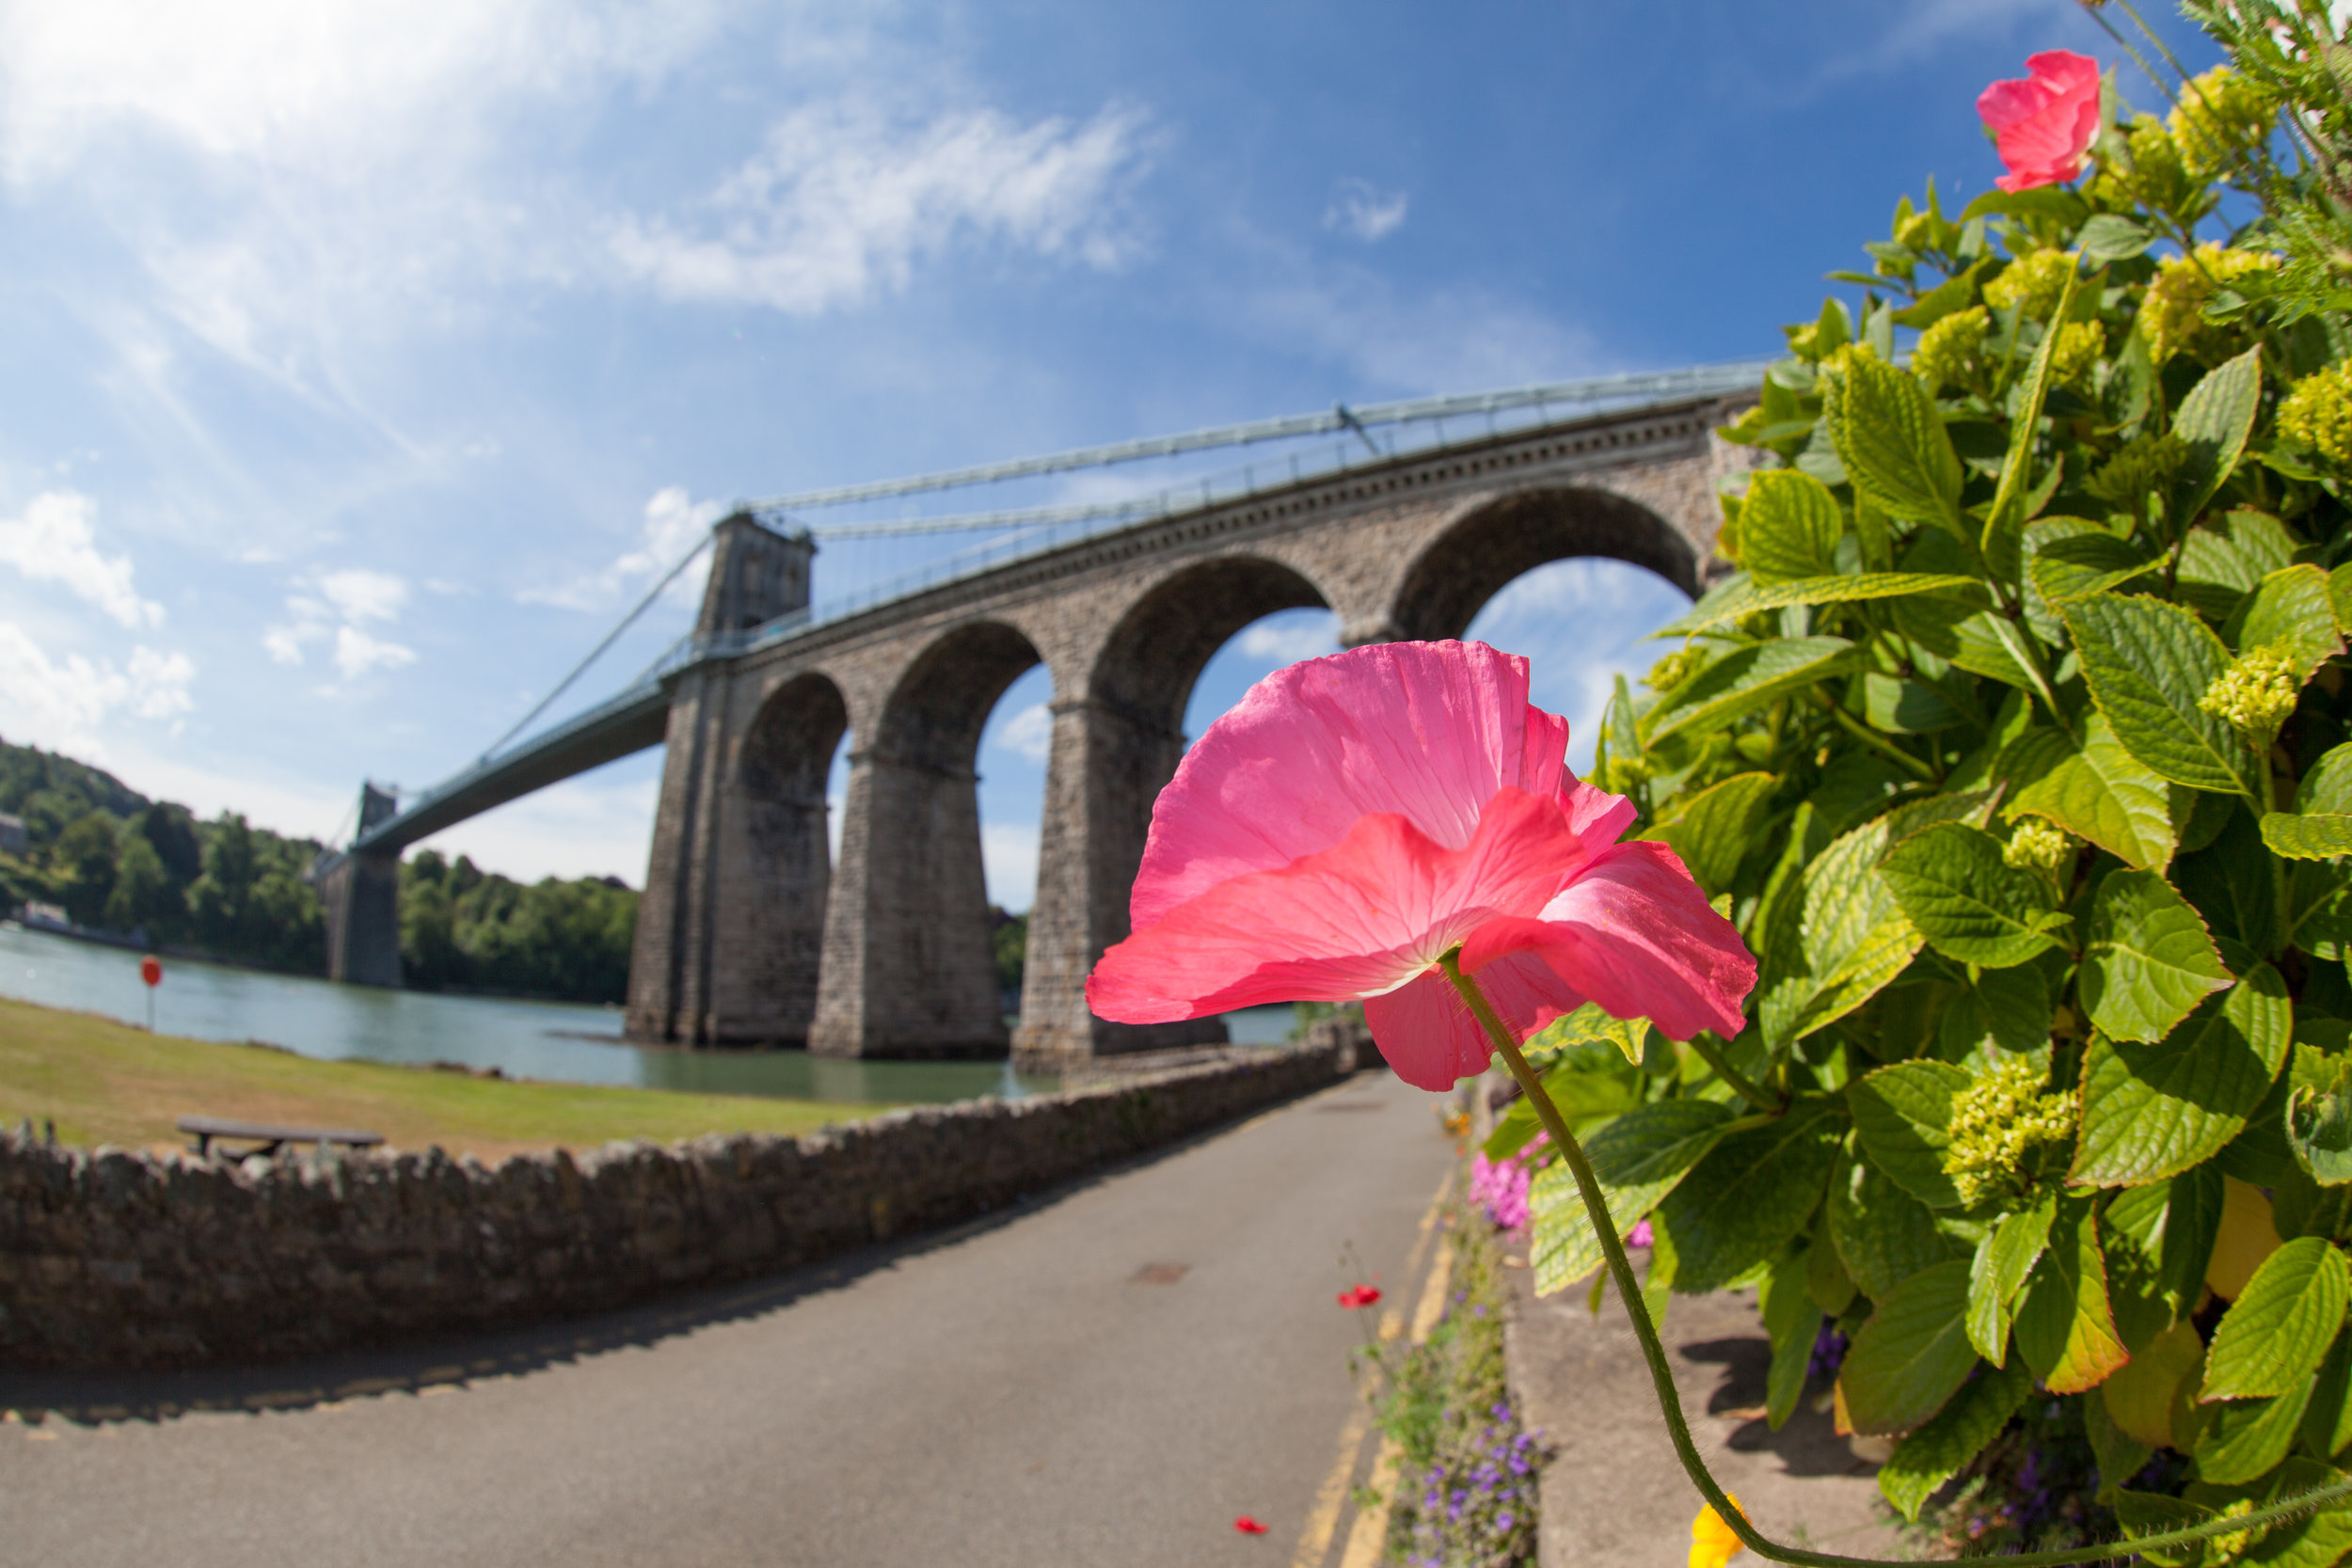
(1749, 598)
(1713, 830)
(2225, 559)
(2318, 837)
(1744, 680)
(1639, 1158)
(1825, 1273)
(2327, 1419)
(2005, 520)
(2153, 1111)
(2244, 1439)
(2214, 421)
(2119, 1456)
(2003, 1260)
(1894, 705)
(1954, 1435)
(2327, 788)
(2319, 1127)
(1912, 1355)
(1750, 1196)
(2140, 1396)
(1881, 1234)
(2340, 595)
(2275, 1335)
(1971, 907)
(2292, 608)
(2088, 562)
(2148, 664)
(1789, 525)
(2104, 794)
(2149, 958)
(2065, 1326)
(1792, 1321)
(1586, 1033)
(2111, 237)
(2158, 1239)
(2153, 1513)
(1893, 443)
(1853, 938)
(1904, 1115)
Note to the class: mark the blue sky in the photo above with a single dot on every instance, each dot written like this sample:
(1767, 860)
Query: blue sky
(362, 363)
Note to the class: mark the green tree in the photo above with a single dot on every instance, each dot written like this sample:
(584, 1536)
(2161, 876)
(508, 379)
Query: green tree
(87, 854)
(170, 829)
(144, 897)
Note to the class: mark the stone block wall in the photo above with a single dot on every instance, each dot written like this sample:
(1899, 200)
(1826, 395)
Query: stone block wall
(117, 1260)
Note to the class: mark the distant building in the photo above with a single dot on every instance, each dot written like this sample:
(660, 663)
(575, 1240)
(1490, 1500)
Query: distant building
(12, 837)
(46, 916)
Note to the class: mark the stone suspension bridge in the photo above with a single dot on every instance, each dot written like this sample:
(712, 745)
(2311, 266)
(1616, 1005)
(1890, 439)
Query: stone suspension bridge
(749, 933)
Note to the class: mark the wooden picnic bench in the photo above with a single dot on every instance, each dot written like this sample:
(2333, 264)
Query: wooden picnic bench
(270, 1138)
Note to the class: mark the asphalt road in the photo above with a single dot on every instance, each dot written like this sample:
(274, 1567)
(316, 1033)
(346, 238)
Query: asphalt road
(1107, 1376)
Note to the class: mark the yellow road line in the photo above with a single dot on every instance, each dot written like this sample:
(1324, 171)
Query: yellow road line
(1432, 1306)
(1367, 1542)
(1323, 1518)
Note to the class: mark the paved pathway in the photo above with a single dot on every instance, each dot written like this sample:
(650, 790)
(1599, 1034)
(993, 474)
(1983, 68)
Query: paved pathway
(1107, 1377)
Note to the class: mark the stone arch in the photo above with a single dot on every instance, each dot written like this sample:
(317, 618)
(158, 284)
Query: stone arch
(1473, 557)
(910, 969)
(1115, 745)
(775, 882)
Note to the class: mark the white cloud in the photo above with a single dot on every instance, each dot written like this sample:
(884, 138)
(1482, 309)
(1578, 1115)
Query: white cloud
(1287, 639)
(63, 703)
(674, 523)
(1362, 209)
(841, 203)
(56, 542)
(364, 596)
(1009, 859)
(1580, 624)
(589, 827)
(1029, 733)
(357, 653)
(334, 607)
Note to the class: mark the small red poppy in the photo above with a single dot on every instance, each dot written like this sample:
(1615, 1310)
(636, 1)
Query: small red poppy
(1249, 1525)
(1360, 1295)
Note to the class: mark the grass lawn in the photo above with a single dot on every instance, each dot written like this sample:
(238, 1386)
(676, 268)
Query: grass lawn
(106, 1083)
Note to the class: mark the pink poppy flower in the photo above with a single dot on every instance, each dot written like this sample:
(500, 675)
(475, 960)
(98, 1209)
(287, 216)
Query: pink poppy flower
(2044, 123)
(1358, 816)
(1360, 1295)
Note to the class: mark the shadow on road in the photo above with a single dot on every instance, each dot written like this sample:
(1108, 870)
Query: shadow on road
(442, 1364)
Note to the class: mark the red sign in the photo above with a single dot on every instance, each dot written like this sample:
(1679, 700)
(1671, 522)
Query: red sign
(152, 970)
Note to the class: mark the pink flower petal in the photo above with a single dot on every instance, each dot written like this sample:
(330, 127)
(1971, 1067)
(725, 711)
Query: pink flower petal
(1351, 921)
(2044, 125)
(1634, 933)
(1428, 1035)
(1425, 731)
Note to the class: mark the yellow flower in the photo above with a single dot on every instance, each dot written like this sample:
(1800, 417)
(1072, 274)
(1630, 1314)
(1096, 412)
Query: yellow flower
(2034, 280)
(2079, 345)
(2317, 415)
(1997, 1122)
(1712, 1544)
(2172, 316)
(2038, 845)
(1672, 669)
(1946, 353)
(2256, 693)
(2222, 117)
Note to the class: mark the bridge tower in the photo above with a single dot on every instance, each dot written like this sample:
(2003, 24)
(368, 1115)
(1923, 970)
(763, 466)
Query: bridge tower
(756, 574)
(360, 893)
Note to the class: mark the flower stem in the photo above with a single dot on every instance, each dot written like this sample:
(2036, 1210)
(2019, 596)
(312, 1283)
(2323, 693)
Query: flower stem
(1670, 1402)
(1740, 1084)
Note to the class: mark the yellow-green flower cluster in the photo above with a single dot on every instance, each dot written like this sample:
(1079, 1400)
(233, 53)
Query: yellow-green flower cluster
(2172, 316)
(2034, 280)
(1623, 774)
(2156, 176)
(1947, 353)
(1672, 669)
(1998, 1120)
(2079, 345)
(2317, 415)
(2229, 1547)
(2222, 117)
(2039, 845)
(2256, 692)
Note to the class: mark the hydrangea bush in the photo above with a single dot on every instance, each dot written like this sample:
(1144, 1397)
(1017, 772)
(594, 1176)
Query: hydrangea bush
(2019, 750)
